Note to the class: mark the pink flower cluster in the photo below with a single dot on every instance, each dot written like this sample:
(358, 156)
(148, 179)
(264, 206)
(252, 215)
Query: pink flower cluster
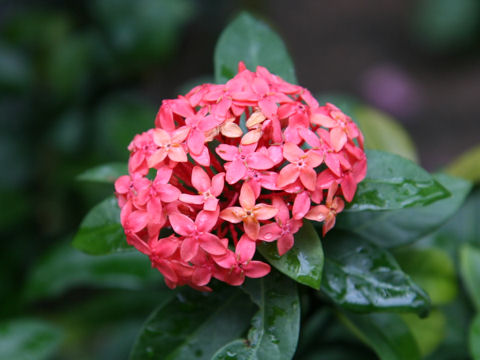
(228, 166)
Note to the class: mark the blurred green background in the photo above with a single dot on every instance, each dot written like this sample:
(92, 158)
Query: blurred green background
(79, 79)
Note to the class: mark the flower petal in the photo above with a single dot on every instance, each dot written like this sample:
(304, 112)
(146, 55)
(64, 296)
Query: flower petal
(269, 232)
(318, 213)
(247, 197)
(232, 214)
(189, 249)
(264, 211)
(288, 175)
(285, 243)
(308, 176)
(259, 161)
(181, 224)
(292, 152)
(236, 170)
(245, 249)
(212, 244)
(206, 220)
(200, 179)
(256, 269)
(251, 227)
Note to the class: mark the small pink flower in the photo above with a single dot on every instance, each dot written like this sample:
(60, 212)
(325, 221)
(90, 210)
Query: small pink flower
(197, 234)
(208, 189)
(168, 145)
(242, 158)
(282, 230)
(328, 212)
(239, 265)
(249, 212)
(301, 165)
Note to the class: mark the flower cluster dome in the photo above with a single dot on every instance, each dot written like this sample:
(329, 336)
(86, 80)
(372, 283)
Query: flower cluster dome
(228, 166)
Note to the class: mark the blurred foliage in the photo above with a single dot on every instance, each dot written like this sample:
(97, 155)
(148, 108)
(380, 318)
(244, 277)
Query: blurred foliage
(77, 81)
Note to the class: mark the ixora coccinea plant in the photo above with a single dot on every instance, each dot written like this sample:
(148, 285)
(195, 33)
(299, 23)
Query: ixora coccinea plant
(257, 195)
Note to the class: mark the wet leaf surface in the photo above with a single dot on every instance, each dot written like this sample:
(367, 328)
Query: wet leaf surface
(360, 276)
(193, 325)
(275, 327)
(304, 262)
(393, 182)
(392, 228)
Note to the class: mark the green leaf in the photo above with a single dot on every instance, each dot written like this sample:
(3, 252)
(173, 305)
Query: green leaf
(432, 269)
(392, 228)
(393, 182)
(429, 332)
(275, 328)
(64, 268)
(466, 166)
(100, 231)
(470, 271)
(474, 338)
(193, 325)
(304, 262)
(250, 40)
(26, 339)
(382, 132)
(106, 173)
(386, 333)
(360, 276)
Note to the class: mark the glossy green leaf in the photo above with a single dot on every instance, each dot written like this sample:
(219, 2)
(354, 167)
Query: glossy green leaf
(382, 132)
(193, 325)
(100, 231)
(275, 327)
(429, 332)
(360, 276)
(386, 334)
(26, 339)
(466, 166)
(470, 271)
(393, 182)
(65, 268)
(433, 270)
(392, 228)
(106, 173)
(304, 262)
(474, 338)
(252, 41)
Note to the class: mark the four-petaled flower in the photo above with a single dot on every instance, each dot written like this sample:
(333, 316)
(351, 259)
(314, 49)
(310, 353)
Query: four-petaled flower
(249, 212)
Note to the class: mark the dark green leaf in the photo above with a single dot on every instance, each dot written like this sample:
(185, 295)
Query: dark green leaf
(304, 262)
(106, 173)
(386, 334)
(101, 232)
(466, 166)
(429, 332)
(470, 271)
(193, 325)
(27, 339)
(275, 328)
(392, 228)
(432, 269)
(250, 40)
(65, 268)
(360, 276)
(474, 338)
(393, 182)
(382, 132)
